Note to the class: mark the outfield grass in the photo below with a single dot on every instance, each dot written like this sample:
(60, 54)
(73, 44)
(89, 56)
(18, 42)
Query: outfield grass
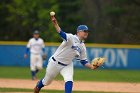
(79, 74)
(43, 91)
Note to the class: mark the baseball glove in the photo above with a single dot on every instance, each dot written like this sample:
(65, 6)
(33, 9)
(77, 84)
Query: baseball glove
(44, 56)
(97, 62)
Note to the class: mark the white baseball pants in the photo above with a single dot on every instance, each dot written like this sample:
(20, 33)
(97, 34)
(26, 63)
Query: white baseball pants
(36, 61)
(53, 69)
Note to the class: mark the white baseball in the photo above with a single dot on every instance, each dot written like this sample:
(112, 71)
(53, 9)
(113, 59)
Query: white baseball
(52, 13)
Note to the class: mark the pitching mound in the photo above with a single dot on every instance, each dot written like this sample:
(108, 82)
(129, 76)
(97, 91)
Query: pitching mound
(78, 85)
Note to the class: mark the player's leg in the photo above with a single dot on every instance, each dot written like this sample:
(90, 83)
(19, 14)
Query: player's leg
(39, 64)
(33, 66)
(67, 73)
(52, 71)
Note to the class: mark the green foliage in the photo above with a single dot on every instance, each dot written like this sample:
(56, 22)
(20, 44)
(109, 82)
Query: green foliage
(106, 19)
(27, 16)
(114, 11)
(69, 15)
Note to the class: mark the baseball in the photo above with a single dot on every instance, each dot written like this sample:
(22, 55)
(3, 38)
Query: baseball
(52, 13)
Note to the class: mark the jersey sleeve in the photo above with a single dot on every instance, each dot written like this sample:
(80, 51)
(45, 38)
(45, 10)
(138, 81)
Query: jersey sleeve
(29, 44)
(69, 37)
(65, 36)
(83, 55)
(43, 44)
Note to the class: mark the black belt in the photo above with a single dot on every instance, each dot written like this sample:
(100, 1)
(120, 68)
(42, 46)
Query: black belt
(59, 62)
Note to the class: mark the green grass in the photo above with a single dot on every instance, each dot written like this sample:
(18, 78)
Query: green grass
(44, 91)
(79, 74)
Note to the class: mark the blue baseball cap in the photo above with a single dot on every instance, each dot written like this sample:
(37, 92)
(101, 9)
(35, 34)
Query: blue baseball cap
(36, 32)
(82, 28)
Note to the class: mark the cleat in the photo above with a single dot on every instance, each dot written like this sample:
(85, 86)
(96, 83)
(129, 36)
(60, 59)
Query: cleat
(36, 90)
(34, 78)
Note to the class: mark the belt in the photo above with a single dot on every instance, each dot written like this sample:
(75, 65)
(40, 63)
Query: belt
(59, 62)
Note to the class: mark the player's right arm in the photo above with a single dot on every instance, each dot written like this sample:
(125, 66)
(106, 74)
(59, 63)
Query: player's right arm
(58, 29)
(27, 49)
(25, 55)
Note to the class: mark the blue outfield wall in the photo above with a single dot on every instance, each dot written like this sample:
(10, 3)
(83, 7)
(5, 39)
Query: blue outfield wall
(117, 58)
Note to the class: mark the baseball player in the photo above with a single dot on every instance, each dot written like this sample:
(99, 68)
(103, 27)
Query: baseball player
(36, 46)
(61, 61)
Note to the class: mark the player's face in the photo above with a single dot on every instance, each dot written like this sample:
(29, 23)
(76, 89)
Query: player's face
(36, 35)
(83, 34)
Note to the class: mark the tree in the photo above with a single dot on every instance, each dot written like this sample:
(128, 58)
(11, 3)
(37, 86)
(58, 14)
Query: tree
(113, 21)
(109, 21)
(69, 15)
(26, 16)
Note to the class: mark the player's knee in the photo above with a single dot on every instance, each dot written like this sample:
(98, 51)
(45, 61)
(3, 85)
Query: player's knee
(39, 67)
(68, 79)
(46, 82)
(32, 69)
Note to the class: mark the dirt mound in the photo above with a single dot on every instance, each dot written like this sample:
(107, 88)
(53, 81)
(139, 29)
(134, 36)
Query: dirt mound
(78, 85)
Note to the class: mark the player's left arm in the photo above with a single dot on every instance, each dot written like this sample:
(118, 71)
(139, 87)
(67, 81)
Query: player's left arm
(95, 63)
(44, 56)
(87, 64)
(83, 59)
(43, 46)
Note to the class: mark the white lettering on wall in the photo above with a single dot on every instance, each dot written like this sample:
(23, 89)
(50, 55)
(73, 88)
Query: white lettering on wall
(121, 57)
(109, 53)
(115, 57)
(97, 52)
